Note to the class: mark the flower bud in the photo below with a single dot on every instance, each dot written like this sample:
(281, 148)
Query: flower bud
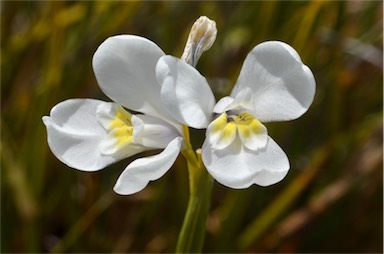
(200, 39)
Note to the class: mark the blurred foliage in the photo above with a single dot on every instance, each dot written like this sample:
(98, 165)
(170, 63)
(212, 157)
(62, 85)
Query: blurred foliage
(331, 200)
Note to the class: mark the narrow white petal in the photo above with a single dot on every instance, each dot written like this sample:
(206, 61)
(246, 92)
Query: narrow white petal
(227, 136)
(242, 101)
(239, 167)
(282, 86)
(252, 133)
(222, 105)
(124, 66)
(138, 174)
(255, 141)
(75, 134)
(154, 132)
(215, 128)
(220, 132)
(185, 92)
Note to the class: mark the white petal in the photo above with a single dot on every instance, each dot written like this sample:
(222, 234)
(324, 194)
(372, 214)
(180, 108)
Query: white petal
(238, 167)
(222, 105)
(255, 140)
(252, 133)
(283, 87)
(138, 174)
(154, 132)
(124, 66)
(74, 135)
(185, 92)
(291, 50)
(220, 132)
(242, 101)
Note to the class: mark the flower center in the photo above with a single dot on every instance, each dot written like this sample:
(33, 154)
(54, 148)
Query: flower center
(229, 126)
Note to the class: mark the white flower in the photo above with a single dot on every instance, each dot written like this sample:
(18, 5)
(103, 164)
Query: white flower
(274, 85)
(88, 134)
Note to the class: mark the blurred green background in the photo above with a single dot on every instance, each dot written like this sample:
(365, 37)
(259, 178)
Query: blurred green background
(332, 198)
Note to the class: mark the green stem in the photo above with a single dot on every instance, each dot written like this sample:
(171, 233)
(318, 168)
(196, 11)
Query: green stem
(192, 234)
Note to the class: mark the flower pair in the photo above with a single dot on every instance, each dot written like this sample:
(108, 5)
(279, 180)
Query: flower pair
(168, 92)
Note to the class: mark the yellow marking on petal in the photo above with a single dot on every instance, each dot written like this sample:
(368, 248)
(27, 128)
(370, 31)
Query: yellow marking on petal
(219, 123)
(229, 130)
(222, 131)
(248, 124)
(123, 131)
(255, 126)
(121, 127)
(252, 132)
(121, 118)
(227, 135)
(244, 130)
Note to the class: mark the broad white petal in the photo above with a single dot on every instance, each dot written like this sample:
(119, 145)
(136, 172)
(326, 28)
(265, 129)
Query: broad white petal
(239, 167)
(185, 92)
(74, 135)
(138, 174)
(283, 87)
(291, 50)
(124, 67)
(154, 132)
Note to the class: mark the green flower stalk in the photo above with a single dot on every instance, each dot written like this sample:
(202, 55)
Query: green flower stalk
(192, 234)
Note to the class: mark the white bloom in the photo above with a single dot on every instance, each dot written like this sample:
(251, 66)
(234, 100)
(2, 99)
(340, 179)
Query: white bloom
(274, 85)
(88, 134)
